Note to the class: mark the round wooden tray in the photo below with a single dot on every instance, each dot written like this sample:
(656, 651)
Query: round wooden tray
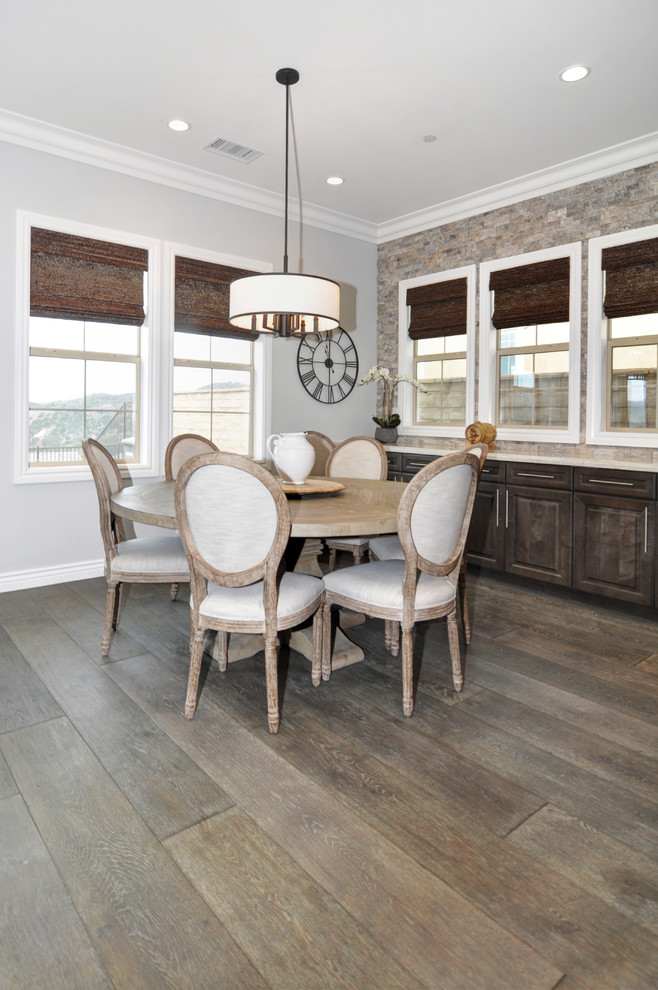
(312, 486)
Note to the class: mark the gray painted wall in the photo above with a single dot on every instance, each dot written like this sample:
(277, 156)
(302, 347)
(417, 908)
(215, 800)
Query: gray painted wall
(51, 530)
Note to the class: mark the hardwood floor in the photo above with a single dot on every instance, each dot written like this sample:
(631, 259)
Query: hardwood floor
(502, 839)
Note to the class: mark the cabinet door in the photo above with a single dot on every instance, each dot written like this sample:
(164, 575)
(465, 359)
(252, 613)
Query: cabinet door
(614, 547)
(486, 536)
(538, 534)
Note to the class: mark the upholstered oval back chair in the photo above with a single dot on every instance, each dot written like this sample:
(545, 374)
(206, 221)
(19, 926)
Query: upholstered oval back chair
(181, 448)
(433, 519)
(323, 447)
(357, 457)
(154, 559)
(234, 522)
(389, 548)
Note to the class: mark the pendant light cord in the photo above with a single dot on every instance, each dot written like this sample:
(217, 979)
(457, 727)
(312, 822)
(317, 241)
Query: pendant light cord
(285, 235)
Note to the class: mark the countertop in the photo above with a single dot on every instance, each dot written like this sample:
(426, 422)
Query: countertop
(604, 461)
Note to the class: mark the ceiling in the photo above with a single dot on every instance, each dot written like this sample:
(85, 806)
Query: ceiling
(481, 77)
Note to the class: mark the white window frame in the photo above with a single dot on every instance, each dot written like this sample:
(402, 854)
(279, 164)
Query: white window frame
(597, 349)
(262, 388)
(148, 386)
(488, 340)
(405, 399)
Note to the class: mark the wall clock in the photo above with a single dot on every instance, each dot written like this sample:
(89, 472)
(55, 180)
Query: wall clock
(328, 365)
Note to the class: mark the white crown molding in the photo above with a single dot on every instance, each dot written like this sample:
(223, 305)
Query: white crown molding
(619, 158)
(35, 134)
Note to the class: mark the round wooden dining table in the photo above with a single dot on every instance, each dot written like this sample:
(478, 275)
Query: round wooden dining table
(361, 507)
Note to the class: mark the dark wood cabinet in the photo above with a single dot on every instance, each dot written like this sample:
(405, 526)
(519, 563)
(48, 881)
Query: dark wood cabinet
(538, 533)
(591, 529)
(614, 537)
(524, 527)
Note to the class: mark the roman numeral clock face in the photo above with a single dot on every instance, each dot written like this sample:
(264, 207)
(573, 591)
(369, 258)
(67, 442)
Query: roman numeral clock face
(328, 365)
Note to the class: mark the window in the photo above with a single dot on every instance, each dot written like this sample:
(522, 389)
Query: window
(213, 388)
(529, 345)
(84, 386)
(82, 335)
(217, 369)
(623, 338)
(436, 338)
(532, 368)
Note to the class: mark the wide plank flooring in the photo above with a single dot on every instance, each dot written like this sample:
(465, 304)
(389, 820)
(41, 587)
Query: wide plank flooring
(501, 839)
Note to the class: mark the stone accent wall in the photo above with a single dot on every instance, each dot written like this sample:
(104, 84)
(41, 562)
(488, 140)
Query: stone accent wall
(624, 201)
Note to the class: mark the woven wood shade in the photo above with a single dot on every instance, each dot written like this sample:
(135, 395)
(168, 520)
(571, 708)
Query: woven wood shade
(438, 309)
(530, 294)
(202, 298)
(631, 278)
(80, 278)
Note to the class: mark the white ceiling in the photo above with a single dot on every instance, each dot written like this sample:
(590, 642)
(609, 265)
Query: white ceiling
(482, 76)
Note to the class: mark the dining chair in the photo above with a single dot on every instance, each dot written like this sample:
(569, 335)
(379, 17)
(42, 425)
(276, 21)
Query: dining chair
(390, 548)
(148, 559)
(234, 522)
(180, 449)
(323, 446)
(433, 519)
(357, 457)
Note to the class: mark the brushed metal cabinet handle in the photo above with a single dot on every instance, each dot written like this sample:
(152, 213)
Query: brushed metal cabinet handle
(604, 481)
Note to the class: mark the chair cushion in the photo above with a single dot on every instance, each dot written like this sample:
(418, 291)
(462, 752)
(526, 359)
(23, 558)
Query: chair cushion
(151, 555)
(380, 584)
(387, 547)
(297, 592)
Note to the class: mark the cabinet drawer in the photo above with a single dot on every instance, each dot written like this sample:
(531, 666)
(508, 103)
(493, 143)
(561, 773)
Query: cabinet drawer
(394, 459)
(624, 484)
(412, 463)
(493, 471)
(540, 475)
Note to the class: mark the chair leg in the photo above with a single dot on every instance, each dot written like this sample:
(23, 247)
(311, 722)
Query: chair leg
(112, 596)
(326, 641)
(222, 649)
(358, 554)
(316, 666)
(453, 640)
(392, 636)
(196, 653)
(332, 559)
(272, 686)
(173, 592)
(463, 602)
(407, 671)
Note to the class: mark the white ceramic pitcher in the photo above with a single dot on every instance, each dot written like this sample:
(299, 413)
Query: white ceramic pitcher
(293, 456)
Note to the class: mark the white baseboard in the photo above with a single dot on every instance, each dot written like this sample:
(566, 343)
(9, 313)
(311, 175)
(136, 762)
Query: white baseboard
(20, 580)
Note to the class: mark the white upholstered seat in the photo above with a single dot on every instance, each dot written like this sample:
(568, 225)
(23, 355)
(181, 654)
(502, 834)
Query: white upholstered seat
(159, 559)
(234, 521)
(433, 519)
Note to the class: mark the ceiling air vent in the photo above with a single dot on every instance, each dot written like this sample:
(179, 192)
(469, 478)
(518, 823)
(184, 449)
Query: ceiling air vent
(229, 149)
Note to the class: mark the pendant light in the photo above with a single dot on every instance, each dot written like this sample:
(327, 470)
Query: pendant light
(284, 304)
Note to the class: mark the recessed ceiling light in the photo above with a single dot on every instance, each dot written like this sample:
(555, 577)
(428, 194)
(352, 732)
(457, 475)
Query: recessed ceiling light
(335, 180)
(574, 73)
(429, 138)
(179, 125)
